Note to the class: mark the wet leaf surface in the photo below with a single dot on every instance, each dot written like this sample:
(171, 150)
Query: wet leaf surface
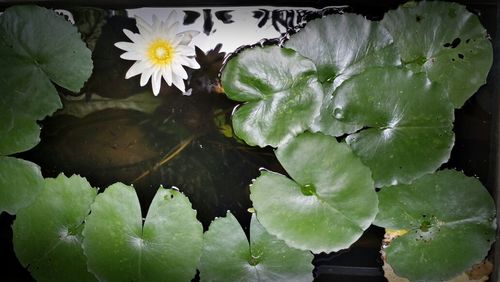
(406, 123)
(450, 220)
(327, 204)
(48, 233)
(445, 41)
(281, 93)
(228, 256)
(120, 245)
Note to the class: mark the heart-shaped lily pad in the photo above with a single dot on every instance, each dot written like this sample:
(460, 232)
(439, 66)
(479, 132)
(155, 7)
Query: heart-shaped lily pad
(20, 183)
(47, 234)
(121, 246)
(449, 220)
(342, 45)
(444, 40)
(328, 204)
(281, 93)
(227, 255)
(30, 58)
(407, 123)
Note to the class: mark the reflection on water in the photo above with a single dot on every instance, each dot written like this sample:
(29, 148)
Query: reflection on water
(185, 143)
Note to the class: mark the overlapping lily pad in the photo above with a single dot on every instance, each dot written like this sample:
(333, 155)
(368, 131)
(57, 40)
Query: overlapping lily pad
(281, 93)
(342, 45)
(30, 58)
(20, 183)
(121, 246)
(228, 256)
(450, 223)
(328, 204)
(445, 41)
(406, 123)
(47, 234)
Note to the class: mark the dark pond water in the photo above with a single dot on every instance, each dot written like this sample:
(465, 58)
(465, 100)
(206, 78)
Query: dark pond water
(185, 142)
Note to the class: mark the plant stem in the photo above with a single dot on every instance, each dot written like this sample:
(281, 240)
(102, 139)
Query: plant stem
(168, 157)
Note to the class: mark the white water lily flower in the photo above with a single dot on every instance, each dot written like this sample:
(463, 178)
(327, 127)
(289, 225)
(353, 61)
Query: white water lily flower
(159, 51)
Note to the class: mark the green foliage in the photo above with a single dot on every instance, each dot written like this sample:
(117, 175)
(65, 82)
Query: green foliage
(386, 90)
(450, 219)
(342, 46)
(328, 204)
(20, 183)
(281, 92)
(407, 123)
(120, 246)
(31, 58)
(48, 233)
(445, 41)
(228, 256)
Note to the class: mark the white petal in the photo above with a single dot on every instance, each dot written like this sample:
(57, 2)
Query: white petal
(188, 62)
(156, 23)
(172, 29)
(187, 36)
(166, 71)
(175, 41)
(185, 50)
(179, 83)
(146, 75)
(137, 68)
(172, 18)
(127, 46)
(135, 37)
(156, 81)
(133, 56)
(177, 69)
(143, 26)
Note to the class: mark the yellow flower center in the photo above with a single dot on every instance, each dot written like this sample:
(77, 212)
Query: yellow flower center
(160, 52)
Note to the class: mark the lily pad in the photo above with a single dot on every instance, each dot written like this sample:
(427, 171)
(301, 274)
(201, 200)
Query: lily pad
(445, 41)
(121, 246)
(228, 256)
(328, 204)
(47, 234)
(30, 58)
(341, 46)
(17, 131)
(281, 93)
(20, 183)
(450, 223)
(406, 123)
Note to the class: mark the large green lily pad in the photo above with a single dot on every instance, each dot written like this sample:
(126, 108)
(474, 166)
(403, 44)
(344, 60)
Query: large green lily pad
(281, 93)
(341, 46)
(328, 204)
(20, 183)
(407, 123)
(450, 223)
(445, 41)
(48, 233)
(121, 246)
(31, 57)
(228, 256)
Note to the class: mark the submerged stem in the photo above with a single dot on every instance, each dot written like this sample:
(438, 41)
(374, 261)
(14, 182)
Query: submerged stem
(168, 157)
